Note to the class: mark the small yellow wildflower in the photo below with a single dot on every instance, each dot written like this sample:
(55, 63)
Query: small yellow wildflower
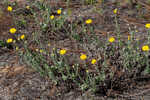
(52, 54)
(128, 37)
(22, 36)
(41, 51)
(111, 39)
(12, 30)
(62, 51)
(137, 39)
(10, 40)
(145, 48)
(52, 17)
(136, 30)
(49, 44)
(87, 71)
(88, 21)
(147, 25)
(59, 11)
(54, 49)
(17, 48)
(9, 8)
(115, 11)
(27, 7)
(83, 56)
(93, 61)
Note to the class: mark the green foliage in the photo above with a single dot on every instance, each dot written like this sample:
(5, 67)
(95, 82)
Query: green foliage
(2, 43)
(122, 55)
(90, 1)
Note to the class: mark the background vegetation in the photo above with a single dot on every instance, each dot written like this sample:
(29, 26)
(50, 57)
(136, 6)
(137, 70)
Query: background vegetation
(77, 49)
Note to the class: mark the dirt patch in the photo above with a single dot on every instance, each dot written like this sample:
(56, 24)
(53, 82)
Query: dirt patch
(6, 22)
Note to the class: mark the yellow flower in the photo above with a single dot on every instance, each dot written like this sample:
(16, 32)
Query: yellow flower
(59, 11)
(17, 48)
(10, 40)
(54, 49)
(111, 39)
(41, 51)
(137, 39)
(115, 11)
(52, 54)
(145, 48)
(128, 37)
(12, 30)
(83, 56)
(136, 30)
(9, 8)
(27, 7)
(147, 25)
(49, 44)
(93, 61)
(52, 17)
(62, 51)
(22, 36)
(88, 21)
(87, 71)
